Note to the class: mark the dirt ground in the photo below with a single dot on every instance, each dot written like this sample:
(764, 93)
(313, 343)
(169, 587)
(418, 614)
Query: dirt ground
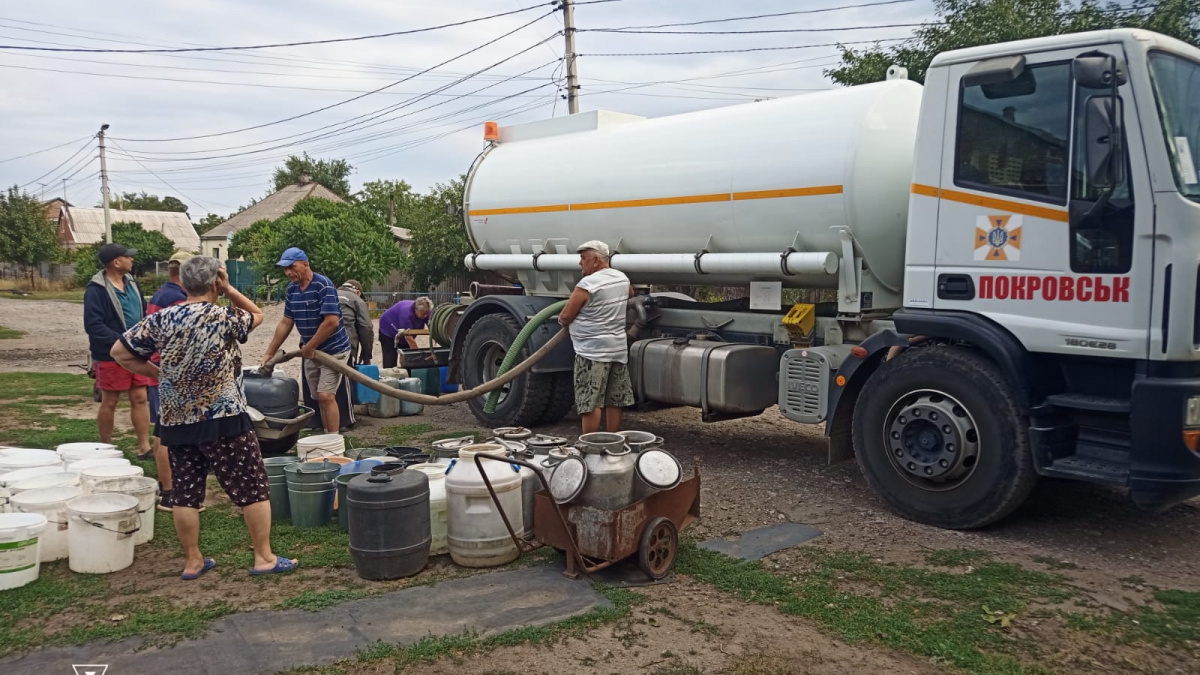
(757, 472)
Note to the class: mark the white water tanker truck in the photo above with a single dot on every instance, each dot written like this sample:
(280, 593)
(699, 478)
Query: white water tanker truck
(1014, 248)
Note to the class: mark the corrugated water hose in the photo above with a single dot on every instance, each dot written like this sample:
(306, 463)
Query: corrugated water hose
(503, 376)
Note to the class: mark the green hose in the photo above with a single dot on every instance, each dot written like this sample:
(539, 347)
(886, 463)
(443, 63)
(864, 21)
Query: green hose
(438, 323)
(515, 350)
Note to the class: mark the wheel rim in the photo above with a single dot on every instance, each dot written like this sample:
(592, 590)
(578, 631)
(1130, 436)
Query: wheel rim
(932, 440)
(661, 551)
(488, 365)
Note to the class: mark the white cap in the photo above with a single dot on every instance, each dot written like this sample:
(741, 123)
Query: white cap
(594, 245)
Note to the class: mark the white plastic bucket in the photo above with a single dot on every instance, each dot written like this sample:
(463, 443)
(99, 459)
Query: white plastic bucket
(13, 476)
(75, 452)
(97, 473)
(83, 447)
(82, 464)
(47, 480)
(100, 532)
(20, 536)
(316, 448)
(27, 459)
(51, 503)
(145, 490)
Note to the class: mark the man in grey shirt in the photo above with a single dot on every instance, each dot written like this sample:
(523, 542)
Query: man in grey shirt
(595, 314)
(356, 319)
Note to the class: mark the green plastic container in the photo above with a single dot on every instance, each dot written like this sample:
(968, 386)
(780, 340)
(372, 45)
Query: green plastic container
(277, 481)
(310, 492)
(343, 513)
(431, 380)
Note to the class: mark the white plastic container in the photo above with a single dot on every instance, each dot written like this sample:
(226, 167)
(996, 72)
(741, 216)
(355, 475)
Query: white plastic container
(51, 503)
(20, 538)
(321, 446)
(97, 473)
(100, 532)
(13, 476)
(413, 385)
(74, 452)
(82, 464)
(386, 406)
(437, 505)
(27, 459)
(145, 490)
(46, 480)
(475, 532)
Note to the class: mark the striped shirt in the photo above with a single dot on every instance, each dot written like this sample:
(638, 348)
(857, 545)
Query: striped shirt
(598, 331)
(308, 307)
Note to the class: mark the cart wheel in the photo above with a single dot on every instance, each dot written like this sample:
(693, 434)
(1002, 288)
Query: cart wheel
(656, 554)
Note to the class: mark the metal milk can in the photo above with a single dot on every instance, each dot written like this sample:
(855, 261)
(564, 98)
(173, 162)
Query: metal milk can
(610, 471)
(641, 440)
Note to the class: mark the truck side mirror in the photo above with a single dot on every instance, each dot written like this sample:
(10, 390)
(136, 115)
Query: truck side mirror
(1097, 70)
(1102, 134)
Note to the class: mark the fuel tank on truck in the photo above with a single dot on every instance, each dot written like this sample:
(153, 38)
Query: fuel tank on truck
(755, 180)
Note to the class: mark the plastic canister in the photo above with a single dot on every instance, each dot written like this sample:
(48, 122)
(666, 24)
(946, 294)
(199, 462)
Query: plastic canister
(476, 534)
(82, 464)
(386, 406)
(389, 522)
(20, 538)
(88, 478)
(277, 482)
(436, 473)
(315, 448)
(408, 407)
(51, 503)
(145, 490)
(100, 531)
(366, 395)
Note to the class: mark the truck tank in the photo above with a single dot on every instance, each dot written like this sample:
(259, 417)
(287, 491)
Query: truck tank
(764, 190)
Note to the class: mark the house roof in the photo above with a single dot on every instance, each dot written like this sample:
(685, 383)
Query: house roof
(271, 207)
(401, 234)
(87, 225)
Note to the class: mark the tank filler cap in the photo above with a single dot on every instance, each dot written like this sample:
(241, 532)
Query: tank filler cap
(897, 73)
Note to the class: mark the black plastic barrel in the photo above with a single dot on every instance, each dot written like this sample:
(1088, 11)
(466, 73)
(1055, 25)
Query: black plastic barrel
(389, 522)
(272, 395)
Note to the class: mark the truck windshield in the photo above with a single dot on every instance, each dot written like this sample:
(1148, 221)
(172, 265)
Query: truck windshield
(1177, 91)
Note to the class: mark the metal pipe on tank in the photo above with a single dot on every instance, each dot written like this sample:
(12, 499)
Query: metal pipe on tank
(479, 290)
(796, 263)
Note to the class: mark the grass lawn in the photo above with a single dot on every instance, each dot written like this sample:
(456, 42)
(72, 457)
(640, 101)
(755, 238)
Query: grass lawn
(74, 295)
(10, 334)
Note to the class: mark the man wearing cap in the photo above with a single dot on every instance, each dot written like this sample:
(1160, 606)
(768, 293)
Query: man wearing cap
(595, 314)
(311, 305)
(112, 304)
(356, 320)
(170, 293)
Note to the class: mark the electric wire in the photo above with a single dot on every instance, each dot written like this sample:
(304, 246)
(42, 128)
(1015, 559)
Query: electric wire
(85, 146)
(754, 17)
(53, 147)
(749, 49)
(164, 181)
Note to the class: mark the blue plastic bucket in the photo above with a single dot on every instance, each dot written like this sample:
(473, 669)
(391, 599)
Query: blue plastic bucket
(360, 466)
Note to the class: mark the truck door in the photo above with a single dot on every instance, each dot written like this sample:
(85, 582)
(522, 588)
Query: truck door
(1025, 236)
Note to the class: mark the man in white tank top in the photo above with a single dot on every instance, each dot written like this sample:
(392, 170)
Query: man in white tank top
(595, 314)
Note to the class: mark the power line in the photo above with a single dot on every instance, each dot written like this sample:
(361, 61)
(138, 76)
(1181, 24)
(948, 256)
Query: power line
(750, 49)
(176, 50)
(73, 156)
(343, 102)
(163, 180)
(747, 32)
(53, 147)
(756, 16)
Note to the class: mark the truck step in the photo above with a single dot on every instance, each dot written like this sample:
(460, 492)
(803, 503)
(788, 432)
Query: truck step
(1104, 404)
(1089, 469)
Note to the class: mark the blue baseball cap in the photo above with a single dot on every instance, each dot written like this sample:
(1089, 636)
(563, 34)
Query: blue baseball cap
(292, 255)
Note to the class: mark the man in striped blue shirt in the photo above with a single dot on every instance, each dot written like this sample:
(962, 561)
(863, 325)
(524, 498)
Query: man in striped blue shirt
(311, 305)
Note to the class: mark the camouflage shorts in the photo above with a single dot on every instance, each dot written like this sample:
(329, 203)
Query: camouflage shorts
(601, 384)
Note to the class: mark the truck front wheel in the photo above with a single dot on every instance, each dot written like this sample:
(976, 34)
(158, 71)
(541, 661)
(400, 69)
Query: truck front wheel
(940, 437)
(522, 401)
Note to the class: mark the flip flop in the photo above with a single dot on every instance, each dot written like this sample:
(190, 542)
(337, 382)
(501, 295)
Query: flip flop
(282, 566)
(209, 563)
(149, 455)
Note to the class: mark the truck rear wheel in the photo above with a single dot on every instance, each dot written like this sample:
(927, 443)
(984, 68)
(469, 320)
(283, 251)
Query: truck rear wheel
(939, 435)
(562, 398)
(522, 401)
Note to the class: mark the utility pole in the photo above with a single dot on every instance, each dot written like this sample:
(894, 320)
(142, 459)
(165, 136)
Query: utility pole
(64, 189)
(392, 210)
(568, 8)
(104, 187)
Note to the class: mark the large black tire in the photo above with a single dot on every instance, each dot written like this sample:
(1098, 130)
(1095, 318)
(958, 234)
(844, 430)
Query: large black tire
(562, 398)
(939, 435)
(526, 398)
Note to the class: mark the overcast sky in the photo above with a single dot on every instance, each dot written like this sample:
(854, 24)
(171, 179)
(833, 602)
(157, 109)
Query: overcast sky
(49, 98)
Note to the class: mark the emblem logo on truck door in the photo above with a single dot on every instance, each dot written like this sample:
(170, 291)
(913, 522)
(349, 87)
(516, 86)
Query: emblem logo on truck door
(998, 238)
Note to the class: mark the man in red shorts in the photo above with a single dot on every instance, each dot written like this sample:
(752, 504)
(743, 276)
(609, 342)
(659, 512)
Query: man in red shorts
(112, 304)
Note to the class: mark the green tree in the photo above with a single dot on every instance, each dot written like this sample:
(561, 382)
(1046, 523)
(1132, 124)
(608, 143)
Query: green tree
(439, 240)
(151, 247)
(209, 222)
(971, 23)
(343, 241)
(332, 173)
(145, 202)
(27, 236)
(377, 195)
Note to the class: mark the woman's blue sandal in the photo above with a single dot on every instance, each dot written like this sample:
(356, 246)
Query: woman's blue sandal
(209, 563)
(282, 566)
